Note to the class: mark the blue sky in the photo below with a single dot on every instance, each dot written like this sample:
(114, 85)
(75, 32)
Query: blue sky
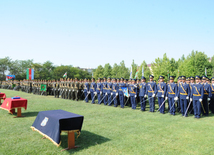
(91, 33)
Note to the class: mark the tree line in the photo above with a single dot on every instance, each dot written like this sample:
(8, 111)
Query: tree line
(191, 65)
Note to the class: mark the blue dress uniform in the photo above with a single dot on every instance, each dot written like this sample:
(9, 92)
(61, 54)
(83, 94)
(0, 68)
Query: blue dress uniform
(207, 94)
(121, 94)
(109, 90)
(142, 94)
(172, 90)
(151, 91)
(115, 93)
(184, 95)
(161, 93)
(190, 86)
(212, 97)
(105, 94)
(92, 90)
(197, 96)
(133, 94)
(86, 90)
(99, 91)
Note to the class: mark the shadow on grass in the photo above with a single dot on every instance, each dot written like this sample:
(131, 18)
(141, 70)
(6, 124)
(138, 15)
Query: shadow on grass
(30, 114)
(85, 140)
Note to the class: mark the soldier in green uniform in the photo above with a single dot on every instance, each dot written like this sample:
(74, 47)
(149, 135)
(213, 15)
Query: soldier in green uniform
(76, 89)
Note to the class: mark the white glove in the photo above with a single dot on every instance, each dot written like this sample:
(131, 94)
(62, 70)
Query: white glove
(111, 93)
(153, 95)
(190, 99)
(95, 93)
(124, 95)
(129, 95)
(135, 96)
(88, 92)
(187, 97)
(116, 94)
(200, 100)
(106, 93)
(176, 98)
(73, 90)
(135, 86)
(166, 98)
(145, 96)
(100, 93)
(208, 99)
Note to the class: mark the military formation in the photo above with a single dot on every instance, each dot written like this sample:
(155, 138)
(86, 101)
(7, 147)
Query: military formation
(193, 95)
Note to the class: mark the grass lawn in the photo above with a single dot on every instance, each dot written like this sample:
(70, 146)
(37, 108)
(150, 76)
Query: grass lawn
(106, 130)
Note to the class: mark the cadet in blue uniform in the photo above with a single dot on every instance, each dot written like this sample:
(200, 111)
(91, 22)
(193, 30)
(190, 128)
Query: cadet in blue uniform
(109, 89)
(184, 95)
(93, 90)
(172, 95)
(197, 96)
(192, 82)
(121, 94)
(86, 89)
(151, 91)
(99, 91)
(161, 93)
(178, 102)
(114, 92)
(207, 96)
(212, 98)
(105, 94)
(142, 93)
(133, 94)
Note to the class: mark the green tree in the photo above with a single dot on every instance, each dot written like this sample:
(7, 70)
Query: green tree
(107, 70)
(123, 71)
(4, 66)
(99, 72)
(115, 71)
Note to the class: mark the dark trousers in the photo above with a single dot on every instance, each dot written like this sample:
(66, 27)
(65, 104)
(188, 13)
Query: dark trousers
(206, 107)
(171, 102)
(133, 102)
(92, 96)
(86, 96)
(105, 101)
(109, 98)
(152, 103)
(99, 98)
(183, 104)
(121, 98)
(160, 102)
(115, 100)
(142, 103)
(197, 108)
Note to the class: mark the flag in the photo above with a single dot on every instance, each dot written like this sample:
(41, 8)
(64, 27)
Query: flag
(30, 74)
(131, 73)
(205, 72)
(43, 87)
(125, 91)
(136, 74)
(65, 75)
(142, 71)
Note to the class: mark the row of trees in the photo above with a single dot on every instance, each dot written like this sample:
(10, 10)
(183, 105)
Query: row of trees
(41, 71)
(194, 64)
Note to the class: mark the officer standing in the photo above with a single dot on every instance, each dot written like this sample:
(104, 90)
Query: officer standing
(99, 90)
(86, 90)
(93, 90)
(109, 89)
(151, 92)
(133, 94)
(161, 88)
(114, 92)
(142, 93)
(120, 92)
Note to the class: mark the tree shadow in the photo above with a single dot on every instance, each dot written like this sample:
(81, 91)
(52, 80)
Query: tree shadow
(30, 114)
(85, 140)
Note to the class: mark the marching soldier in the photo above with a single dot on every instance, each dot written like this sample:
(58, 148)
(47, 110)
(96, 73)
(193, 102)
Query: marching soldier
(161, 88)
(105, 94)
(114, 93)
(76, 89)
(151, 92)
(99, 90)
(86, 90)
(172, 95)
(184, 95)
(142, 93)
(197, 97)
(109, 89)
(121, 94)
(133, 94)
(93, 90)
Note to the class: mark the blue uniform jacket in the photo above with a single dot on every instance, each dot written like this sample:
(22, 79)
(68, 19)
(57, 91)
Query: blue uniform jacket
(104, 87)
(212, 89)
(86, 87)
(161, 89)
(115, 88)
(93, 87)
(132, 89)
(99, 87)
(109, 87)
(172, 90)
(207, 90)
(197, 91)
(142, 89)
(151, 88)
(183, 90)
(120, 89)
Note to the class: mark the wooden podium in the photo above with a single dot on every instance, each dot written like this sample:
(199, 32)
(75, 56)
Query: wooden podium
(19, 113)
(71, 140)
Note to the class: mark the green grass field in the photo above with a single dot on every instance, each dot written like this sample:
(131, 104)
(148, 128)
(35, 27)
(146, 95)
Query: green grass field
(106, 130)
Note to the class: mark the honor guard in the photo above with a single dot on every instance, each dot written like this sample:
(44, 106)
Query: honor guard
(151, 92)
(161, 94)
(105, 94)
(109, 89)
(133, 94)
(93, 90)
(86, 90)
(142, 93)
(172, 95)
(120, 92)
(212, 98)
(207, 96)
(114, 92)
(99, 90)
(197, 97)
(184, 95)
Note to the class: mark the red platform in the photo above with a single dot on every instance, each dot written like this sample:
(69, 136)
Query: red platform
(10, 105)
